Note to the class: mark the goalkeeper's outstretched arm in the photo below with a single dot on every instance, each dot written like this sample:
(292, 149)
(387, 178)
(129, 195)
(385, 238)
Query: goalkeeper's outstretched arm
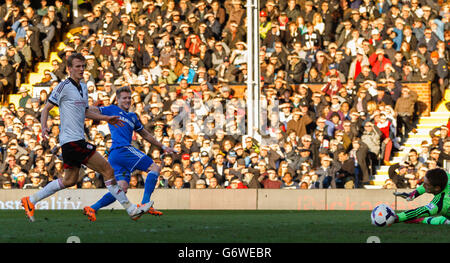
(413, 195)
(431, 209)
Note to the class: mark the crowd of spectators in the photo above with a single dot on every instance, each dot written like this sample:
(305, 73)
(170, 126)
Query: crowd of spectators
(28, 31)
(182, 59)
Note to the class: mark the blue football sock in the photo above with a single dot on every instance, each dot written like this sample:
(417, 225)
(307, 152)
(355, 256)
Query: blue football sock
(106, 200)
(149, 186)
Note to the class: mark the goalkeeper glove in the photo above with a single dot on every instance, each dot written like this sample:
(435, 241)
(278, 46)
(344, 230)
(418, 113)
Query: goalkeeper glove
(408, 196)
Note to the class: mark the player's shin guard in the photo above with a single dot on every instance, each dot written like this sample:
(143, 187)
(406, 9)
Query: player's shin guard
(106, 200)
(149, 187)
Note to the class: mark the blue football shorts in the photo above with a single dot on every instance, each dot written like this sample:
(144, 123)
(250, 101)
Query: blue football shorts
(125, 160)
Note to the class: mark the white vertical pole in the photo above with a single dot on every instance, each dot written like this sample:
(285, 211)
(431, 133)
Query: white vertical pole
(256, 70)
(253, 78)
(250, 69)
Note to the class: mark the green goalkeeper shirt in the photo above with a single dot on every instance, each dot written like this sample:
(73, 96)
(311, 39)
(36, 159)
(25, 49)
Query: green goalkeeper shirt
(438, 206)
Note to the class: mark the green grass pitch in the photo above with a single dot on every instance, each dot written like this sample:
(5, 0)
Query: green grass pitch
(194, 226)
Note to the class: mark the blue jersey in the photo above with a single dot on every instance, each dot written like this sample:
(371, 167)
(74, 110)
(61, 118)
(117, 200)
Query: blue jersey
(121, 136)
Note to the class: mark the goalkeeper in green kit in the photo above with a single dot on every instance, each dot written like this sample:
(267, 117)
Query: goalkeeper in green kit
(436, 182)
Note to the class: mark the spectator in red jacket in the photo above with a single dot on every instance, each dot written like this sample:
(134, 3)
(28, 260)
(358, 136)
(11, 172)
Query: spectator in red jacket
(193, 43)
(377, 60)
(236, 183)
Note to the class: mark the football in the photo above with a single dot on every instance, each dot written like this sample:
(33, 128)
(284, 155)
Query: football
(382, 215)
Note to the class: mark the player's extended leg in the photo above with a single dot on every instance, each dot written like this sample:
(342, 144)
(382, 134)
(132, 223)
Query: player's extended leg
(106, 200)
(70, 179)
(99, 164)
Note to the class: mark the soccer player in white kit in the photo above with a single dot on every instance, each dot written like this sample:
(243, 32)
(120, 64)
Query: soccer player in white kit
(71, 96)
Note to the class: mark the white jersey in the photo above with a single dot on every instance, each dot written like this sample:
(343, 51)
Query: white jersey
(72, 100)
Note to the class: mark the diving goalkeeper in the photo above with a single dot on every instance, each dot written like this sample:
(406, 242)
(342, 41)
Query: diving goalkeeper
(436, 182)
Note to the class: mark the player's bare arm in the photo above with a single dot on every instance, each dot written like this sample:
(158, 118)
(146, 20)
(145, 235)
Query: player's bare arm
(147, 136)
(95, 114)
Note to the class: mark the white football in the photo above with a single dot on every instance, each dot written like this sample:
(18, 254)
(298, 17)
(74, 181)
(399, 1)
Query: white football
(382, 215)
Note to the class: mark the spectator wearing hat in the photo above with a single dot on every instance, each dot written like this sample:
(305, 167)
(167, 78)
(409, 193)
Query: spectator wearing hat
(333, 71)
(25, 96)
(265, 24)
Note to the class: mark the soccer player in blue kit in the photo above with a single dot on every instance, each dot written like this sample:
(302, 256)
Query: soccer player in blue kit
(123, 157)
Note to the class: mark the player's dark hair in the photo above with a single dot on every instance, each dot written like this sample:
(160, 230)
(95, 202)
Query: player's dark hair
(122, 89)
(75, 56)
(437, 177)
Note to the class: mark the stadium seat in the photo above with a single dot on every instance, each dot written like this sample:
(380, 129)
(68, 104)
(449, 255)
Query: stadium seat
(34, 78)
(54, 56)
(14, 98)
(61, 46)
(43, 66)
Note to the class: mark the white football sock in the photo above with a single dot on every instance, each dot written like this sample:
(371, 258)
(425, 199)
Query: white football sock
(51, 188)
(119, 194)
